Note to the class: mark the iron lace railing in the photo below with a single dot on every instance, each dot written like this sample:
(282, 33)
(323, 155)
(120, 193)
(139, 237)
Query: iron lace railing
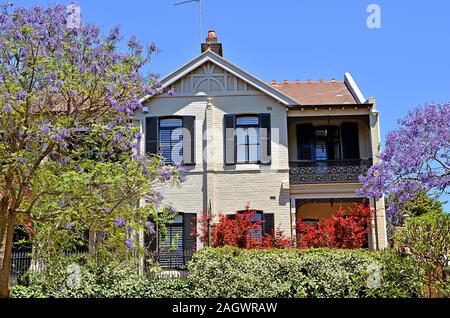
(329, 171)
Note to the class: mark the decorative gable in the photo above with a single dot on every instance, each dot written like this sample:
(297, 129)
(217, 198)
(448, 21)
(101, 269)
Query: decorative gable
(210, 78)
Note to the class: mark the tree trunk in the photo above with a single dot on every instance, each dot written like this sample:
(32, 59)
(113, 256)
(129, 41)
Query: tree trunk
(4, 271)
(3, 224)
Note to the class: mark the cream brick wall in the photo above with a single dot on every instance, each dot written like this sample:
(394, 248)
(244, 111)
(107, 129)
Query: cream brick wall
(229, 188)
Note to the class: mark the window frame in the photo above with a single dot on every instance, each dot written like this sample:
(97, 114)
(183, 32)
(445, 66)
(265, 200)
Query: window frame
(261, 214)
(339, 155)
(161, 119)
(247, 126)
(169, 227)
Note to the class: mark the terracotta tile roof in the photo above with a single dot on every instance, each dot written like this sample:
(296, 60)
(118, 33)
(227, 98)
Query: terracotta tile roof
(316, 93)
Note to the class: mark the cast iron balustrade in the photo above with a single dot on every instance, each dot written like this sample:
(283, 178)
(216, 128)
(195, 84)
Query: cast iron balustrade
(331, 171)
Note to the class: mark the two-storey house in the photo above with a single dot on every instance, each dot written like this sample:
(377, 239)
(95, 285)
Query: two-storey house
(288, 149)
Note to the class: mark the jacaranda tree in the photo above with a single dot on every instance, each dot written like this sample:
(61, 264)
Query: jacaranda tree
(416, 159)
(69, 153)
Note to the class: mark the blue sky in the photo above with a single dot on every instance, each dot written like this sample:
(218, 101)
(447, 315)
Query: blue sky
(404, 64)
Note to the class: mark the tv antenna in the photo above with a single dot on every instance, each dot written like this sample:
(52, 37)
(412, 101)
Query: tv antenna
(199, 2)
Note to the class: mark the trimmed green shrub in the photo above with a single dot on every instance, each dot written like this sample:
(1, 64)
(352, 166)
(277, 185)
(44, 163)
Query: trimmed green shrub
(314, 273)
(65, 278)
(237, 273)
(401, 276)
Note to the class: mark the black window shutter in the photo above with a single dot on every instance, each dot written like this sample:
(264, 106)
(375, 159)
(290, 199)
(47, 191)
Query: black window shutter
(269, 223)
(189, 228)
(305, 141)
(151, 135)
(231, 217)
(350, 141)
(229, 140)
(189, 140)
(266, 139)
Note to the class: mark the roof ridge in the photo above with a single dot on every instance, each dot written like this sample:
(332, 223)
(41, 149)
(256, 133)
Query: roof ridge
(320, 81)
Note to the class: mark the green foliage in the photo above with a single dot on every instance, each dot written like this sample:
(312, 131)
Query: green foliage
(236, 273)
(321, 273)
(421, 205)
(114, 280)
(427, 239)
(401, 277)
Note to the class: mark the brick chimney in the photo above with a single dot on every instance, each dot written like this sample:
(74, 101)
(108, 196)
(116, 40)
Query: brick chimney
(212, 44)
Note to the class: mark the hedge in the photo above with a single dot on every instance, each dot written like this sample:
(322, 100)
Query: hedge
(235, 273)
(320, 273)
(114, 280)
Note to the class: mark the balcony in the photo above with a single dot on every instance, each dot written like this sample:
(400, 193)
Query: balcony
(330, 171)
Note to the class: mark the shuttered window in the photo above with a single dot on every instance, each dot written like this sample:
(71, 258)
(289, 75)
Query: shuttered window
(171, 139)
(247, 139)
(350, 141)
(267, 226)
(171, 245)
(305, 141)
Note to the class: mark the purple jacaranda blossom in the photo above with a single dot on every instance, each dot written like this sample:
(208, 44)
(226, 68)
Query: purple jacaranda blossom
(95, 69)
(150, 228)
(165, 173)
(130, 229)
(106, 210)
(153, 47)
(171, 92)
(50, 77)
(114, 35)
(120, 222)
(135, 45)
(172, 210)
(415, 158)
(150, 91)
(60, 135)
(155, 198)
(22, 160)
(45, 129)
(7, 108)
(180, 167)
(21, 133)
(129, 244)
(21, 96)
(69, 226)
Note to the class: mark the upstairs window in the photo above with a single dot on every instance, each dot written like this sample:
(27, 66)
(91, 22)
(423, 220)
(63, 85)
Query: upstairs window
(248, 139)
(171, 139)
(327, 142)
(322, 143)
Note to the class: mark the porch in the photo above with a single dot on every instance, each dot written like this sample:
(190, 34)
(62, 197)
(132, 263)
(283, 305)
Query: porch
(329, 150)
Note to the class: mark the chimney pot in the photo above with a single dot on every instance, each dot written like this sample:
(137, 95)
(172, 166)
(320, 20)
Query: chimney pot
(211, 44)
(212, 34)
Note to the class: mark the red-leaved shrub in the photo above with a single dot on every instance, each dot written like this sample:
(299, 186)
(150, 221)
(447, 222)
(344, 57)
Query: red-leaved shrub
(232, 232)
(345, 229)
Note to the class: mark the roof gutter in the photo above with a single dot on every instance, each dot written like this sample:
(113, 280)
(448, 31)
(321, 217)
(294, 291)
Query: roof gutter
(332, 106)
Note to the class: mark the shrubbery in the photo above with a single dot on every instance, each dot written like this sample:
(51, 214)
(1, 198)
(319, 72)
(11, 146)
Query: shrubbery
(236, 273)
(321, 273)
(114, 280)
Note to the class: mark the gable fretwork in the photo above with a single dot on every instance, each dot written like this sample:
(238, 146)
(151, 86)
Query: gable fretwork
(210, 78)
